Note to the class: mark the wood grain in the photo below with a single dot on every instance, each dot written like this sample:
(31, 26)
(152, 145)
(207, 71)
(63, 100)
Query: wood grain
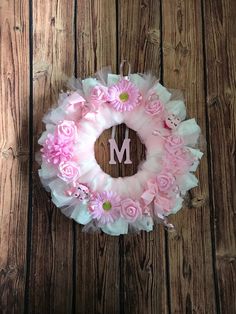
(220, 44)
(190, 248)
(97, 256)
(139, 34)
(51, 288)
(14, 148)
(54, 267)
(144, 271)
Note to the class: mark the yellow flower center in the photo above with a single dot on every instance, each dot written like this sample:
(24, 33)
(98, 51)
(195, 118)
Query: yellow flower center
(124, 96)
(107, 205)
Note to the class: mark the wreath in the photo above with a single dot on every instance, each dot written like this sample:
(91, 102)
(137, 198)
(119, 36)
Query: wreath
(78, 185)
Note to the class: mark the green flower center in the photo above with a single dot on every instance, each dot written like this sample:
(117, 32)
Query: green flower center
(107, 205)
(124, 96)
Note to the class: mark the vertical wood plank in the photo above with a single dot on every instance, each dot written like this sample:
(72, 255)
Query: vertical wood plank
(51, 287)
(97, 256)
(144, 272)
(220, 43)
(14, 148)
(139, 34)
(96, 36)
(190, 250)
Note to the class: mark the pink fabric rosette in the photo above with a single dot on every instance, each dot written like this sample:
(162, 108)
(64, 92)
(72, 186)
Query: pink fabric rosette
(68, 171)
(130, 210)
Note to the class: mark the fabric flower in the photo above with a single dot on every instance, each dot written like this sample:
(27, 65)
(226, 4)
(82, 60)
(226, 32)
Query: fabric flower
(124, 96)
(152, 95)
(130, 209)
(66, 130)
(154, 107)
(56, 150)
(165, 181)
(180, 161)
(173, 142)
(105, 207)
(99, 94)
(68, 171)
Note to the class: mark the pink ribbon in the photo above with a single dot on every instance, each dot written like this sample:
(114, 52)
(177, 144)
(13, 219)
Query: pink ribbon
(70, 191)
(76, 100)
(149, 194)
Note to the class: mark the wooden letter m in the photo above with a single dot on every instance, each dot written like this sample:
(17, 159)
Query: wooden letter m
(120, 153)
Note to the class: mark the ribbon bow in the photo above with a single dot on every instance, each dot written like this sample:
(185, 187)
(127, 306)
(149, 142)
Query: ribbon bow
(76, 100)
(149, 195)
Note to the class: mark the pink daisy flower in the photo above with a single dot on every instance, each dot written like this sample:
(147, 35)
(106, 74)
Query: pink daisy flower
(105, 207)
(56, 150)
(124, 96)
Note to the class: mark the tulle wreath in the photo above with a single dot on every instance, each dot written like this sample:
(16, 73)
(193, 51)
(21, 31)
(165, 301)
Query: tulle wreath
(78, 185)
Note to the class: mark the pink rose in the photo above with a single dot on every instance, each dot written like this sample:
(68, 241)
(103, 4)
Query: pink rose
(173, 142)
(162, 205)
(69, 171)
(130, 209)
(152, 95)
(99, 94)
(180, 161)
(184, 156)
(165, 181)
(154, 107)
(66, 130)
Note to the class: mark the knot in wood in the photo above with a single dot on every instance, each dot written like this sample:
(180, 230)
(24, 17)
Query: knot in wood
(198, 201)
(153, 36)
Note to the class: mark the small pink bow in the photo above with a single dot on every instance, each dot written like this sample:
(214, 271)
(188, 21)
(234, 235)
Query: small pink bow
(75, 100)
(150, 193)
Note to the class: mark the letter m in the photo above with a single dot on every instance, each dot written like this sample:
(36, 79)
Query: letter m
(120, 153)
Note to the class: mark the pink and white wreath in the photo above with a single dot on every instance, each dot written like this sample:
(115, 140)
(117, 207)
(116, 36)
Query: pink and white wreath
(77, 183)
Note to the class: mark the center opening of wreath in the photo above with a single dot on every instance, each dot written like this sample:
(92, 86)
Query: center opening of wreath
(119, 152)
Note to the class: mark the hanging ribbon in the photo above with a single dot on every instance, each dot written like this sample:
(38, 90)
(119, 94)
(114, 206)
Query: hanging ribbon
(122, 69)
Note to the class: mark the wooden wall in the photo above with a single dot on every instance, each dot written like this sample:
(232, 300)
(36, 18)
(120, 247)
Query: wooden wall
(47, 265)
